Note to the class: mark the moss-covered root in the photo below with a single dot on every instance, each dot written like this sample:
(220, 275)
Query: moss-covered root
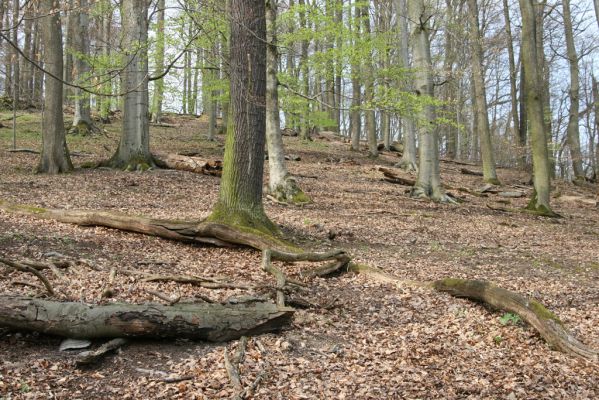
(539, 209)
(549, 326)
(289, 192)
(407, 165)
(83, 128)
(133, 164)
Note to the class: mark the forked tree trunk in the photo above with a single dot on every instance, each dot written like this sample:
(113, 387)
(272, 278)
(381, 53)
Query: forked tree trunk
(573, 118)
(133, 152)
(281, 185)
(428, 183)
(240, 196)
(82, 121)
(534, 105)
(54, 156)
(205, 321)
(480, 95)
(408, 160)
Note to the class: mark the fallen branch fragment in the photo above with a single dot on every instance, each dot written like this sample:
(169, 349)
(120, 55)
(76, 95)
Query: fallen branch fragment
(211, 322)
(546, 323)
(25, 268)
(169, 300)
(278, 274)
(191, 164)
(551, 329)
(93, 356)
(396, 176)
(467, 171)
(329, 269)
(31, 151)
(513, 195)
(232, 367)
(108, 290)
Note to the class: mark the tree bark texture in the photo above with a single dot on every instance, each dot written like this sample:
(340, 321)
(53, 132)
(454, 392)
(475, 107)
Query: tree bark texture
(204, 321)
(159, 63)
(370, 124)
(54, 156)
(82, 120)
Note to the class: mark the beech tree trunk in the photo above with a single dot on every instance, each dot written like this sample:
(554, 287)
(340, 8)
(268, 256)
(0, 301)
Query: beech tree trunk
(204, 321)
(133, 152)
(304, 120)
(480, 95)
(573, 133)
(240, 197)
(534, 105)
(281, 184)
(428, 183)
(408, 158)
(82, 121)
(54, 157)
(159, 63)
(355, 114)
(370, 125)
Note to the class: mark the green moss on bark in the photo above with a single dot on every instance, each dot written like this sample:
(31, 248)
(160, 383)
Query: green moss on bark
(542, 312)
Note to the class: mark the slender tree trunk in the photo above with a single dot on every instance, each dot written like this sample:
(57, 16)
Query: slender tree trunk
(82, 121)
(38, 75)
(133, 152)
(534, 105)
(159, 63)
(281, 184)
(26, 67)
(513, 90)
(105, 102)
(408, 159)
(355, 114)
(54, 157)
(7, 55)
(304, 120)
(573, 120)
(596, 113)
(596, 4)
(67, 73)
(428, 183)
(369, 90)
(2, 78)
(489, 174)
(16, 72)
(240, 196)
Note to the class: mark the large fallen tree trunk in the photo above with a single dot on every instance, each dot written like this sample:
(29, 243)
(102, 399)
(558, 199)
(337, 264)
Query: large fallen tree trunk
(188, 163)
(204, 321)
(396, 176)
(546, 323)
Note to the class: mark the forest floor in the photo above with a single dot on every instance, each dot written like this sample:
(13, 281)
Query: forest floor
(372, 341)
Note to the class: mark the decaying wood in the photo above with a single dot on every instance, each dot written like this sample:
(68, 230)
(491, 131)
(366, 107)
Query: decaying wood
(513, 195)
(203, 321)
(93, 356)
(278, 274)
(31, 151)
(169, 300)
(191, 164)
(108, 290)
(467, 171)
(14, 265)
(232, 367)
(547, 324)
(396, 176)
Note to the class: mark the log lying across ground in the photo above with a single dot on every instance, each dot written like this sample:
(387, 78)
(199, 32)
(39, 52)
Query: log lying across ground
(203, 321)
(546, 323)
(396, 176)
(188, 163)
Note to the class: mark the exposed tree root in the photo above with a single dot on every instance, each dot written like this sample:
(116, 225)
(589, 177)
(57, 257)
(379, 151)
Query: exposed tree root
(547, 324)
(288, 192)
(407, 165)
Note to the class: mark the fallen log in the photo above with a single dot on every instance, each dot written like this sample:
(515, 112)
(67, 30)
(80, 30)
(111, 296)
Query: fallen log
(394, 176)
(196, 165)
(467, 171)
(513, 195)
(203, 321)
(546, 323)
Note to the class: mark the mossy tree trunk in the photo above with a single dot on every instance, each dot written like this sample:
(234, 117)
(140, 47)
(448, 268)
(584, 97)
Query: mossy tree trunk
(240, 197)
(133, 152)
(534, 106)
(281, 185)
(480, 96)
(54, 157)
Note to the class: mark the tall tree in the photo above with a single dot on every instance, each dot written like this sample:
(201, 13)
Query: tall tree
(534, 104)
(480, 95)
(428, 183)
(54, 157)
(573, 133)
(281, 185)
(408, 159)
(356, 102)
(159, 62)
(240, 196)
(82, 121)
(370, 125)
(133, 152)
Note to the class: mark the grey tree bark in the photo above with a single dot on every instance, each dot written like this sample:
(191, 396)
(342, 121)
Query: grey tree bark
(304, 120)
(159, 62)
(408, 160)
(370, 125)
(356, 102)
(281, 185)
(534, 104)
(428, 183)
(67, 73)
(486, 145)
(133, 152)
(82, 121)
(54, 157)
(573, 132)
